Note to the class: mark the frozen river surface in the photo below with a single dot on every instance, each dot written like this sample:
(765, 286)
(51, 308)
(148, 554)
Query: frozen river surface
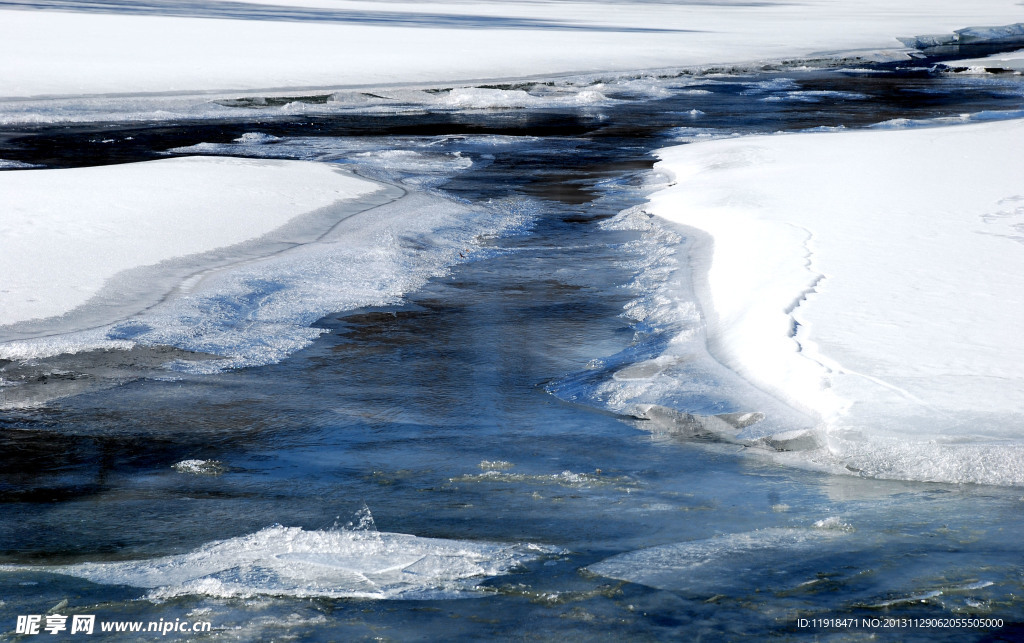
(458, 444)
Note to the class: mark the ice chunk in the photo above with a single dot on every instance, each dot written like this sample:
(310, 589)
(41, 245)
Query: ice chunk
(1013, 61)
(969, 41)
(256, 138)
(289, 561)
(200, 467)
(15, 165)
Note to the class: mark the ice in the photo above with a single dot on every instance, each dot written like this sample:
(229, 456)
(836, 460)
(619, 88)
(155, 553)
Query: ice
(959, 119)
(969, 40)
(80, 52)
(666, 378)
(768, 86)
(200, 467)
(68, 232)
(397, 155)
(15, 165)
(833, 522)
(708, 566)
(816, 96)
(495, 465)
(568, 479)
(917, 598)
(572, 91)
(256, 138)
(872, 280)
(486, 98)
(290, 561)
(1002, 34)
(694, 134)
(724, 427)
(1013, 61)
(413, 161)
(249, 304)
(259, 312)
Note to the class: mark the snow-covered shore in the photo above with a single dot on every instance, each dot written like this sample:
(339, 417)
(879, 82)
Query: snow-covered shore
(874, 279)
(82, 51)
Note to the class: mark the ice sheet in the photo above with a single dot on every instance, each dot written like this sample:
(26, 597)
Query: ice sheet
(66, 233)
(873, 279)
(82, 52)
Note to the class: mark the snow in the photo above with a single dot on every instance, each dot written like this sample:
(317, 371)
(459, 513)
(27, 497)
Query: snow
(66, 233)
(874, 279)
(345, 43)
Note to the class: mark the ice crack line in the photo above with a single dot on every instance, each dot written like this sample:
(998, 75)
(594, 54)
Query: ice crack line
(811, 289)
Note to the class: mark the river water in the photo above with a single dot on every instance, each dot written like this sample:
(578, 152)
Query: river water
(449, 466)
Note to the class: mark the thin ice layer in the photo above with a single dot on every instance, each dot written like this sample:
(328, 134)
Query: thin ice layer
(290, 561)
(709, 565)
(66, 233)
(874, 279)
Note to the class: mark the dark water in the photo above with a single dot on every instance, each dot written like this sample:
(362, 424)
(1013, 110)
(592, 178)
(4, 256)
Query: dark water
(435, 415)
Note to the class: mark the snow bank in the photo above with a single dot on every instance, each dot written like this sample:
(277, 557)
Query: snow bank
(82, 50)
(874, 279)
(66, 233)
